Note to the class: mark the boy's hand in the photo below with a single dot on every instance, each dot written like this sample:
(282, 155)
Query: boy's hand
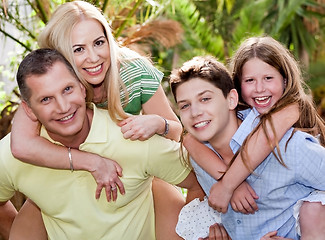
(243, 199)
(217, 232)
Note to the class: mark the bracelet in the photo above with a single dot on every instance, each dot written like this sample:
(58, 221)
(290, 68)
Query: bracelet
(70, 159)
(166, 128)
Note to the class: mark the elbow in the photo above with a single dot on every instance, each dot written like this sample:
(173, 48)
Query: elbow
(16, 150)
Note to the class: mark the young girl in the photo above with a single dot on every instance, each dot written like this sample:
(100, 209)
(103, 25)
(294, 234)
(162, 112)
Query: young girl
(116, 78)
(273, 53)
(256, 91)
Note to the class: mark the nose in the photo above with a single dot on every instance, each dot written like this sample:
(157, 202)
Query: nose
(259, 86)
(196, 110)
(92, 55)
(63, 105)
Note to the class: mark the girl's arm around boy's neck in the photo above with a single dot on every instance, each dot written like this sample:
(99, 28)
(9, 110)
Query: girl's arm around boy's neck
(205, 157)
(258, 148)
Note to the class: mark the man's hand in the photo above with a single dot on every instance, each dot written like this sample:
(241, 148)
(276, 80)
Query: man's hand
(217, 232)
(272, 236)
(243, 199)
(106, 174)
(219, 197)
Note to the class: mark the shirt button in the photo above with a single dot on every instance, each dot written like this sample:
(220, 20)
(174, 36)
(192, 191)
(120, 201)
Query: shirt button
(238, 221)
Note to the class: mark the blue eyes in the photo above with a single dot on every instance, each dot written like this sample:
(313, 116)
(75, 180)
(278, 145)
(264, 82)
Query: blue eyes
(44, 100)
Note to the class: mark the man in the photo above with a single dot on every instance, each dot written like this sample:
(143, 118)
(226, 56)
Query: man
(53, 95)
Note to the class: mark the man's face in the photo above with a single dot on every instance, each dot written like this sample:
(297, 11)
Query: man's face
(57, 101)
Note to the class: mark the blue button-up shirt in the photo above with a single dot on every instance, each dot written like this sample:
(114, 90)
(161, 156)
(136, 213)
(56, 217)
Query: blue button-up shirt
(278, 187)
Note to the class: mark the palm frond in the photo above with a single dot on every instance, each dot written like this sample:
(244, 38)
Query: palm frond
(167, 32)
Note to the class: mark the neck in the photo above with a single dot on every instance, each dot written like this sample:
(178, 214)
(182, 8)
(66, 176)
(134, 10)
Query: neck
(99, 93)
(221, 141)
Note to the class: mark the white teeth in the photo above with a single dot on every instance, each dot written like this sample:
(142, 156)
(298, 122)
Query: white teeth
(67, 117)
(201, 124)
(258, 100)
(94, 69)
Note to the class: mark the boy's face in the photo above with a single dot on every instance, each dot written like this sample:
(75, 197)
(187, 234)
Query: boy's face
(203, 109)
(57, 101)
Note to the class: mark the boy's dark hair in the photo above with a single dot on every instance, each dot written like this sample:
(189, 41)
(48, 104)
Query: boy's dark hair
(38, 62)
(206, 68)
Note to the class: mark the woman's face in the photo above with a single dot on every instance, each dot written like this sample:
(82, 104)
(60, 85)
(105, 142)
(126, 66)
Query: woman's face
(261, 85)
(91, 51)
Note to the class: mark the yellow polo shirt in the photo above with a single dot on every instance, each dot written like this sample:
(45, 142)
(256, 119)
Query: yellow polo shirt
(69, 208)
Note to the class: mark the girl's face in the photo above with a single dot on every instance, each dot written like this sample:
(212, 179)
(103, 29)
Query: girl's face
(91, 51)
(203, 109)
(261, 85)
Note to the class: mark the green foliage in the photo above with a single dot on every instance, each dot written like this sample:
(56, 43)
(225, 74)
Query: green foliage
(199, 33)
(211, 27)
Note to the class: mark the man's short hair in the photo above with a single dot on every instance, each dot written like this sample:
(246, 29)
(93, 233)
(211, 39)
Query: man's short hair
(38, 62)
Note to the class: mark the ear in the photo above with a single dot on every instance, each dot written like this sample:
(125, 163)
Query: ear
(232, 99)
(29, 112)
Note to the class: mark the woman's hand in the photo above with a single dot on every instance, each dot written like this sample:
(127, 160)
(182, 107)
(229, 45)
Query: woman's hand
(243, 199)
(106, 173)
(142, 127)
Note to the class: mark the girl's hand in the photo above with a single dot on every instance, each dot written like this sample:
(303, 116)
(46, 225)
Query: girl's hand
(243, 199)
(272, 235)
(217, 232)
(106, 173)
(220, 197)
(142, 127)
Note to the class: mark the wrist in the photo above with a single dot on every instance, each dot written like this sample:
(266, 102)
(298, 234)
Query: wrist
(84, 160)
(227, 184)
(166, 127)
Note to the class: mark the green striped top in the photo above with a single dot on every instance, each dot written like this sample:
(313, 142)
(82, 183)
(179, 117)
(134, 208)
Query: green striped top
(141, 80)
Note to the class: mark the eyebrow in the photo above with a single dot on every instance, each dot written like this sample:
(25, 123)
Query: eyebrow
(81, 44)
(200, 94)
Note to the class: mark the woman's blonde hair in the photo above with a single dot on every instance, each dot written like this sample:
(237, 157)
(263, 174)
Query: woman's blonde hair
(57, 35)
(275, 54)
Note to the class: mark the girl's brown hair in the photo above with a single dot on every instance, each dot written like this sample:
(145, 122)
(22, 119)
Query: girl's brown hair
(276, 55)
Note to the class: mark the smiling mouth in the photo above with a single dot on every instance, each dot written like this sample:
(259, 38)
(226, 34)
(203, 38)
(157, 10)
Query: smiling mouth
(262, 100)
(201, 124)
(94, 69)
(67, 117)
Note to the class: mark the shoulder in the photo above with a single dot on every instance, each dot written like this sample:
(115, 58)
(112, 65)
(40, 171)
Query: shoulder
(302, 148)
(302, 140)
(5, 151)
